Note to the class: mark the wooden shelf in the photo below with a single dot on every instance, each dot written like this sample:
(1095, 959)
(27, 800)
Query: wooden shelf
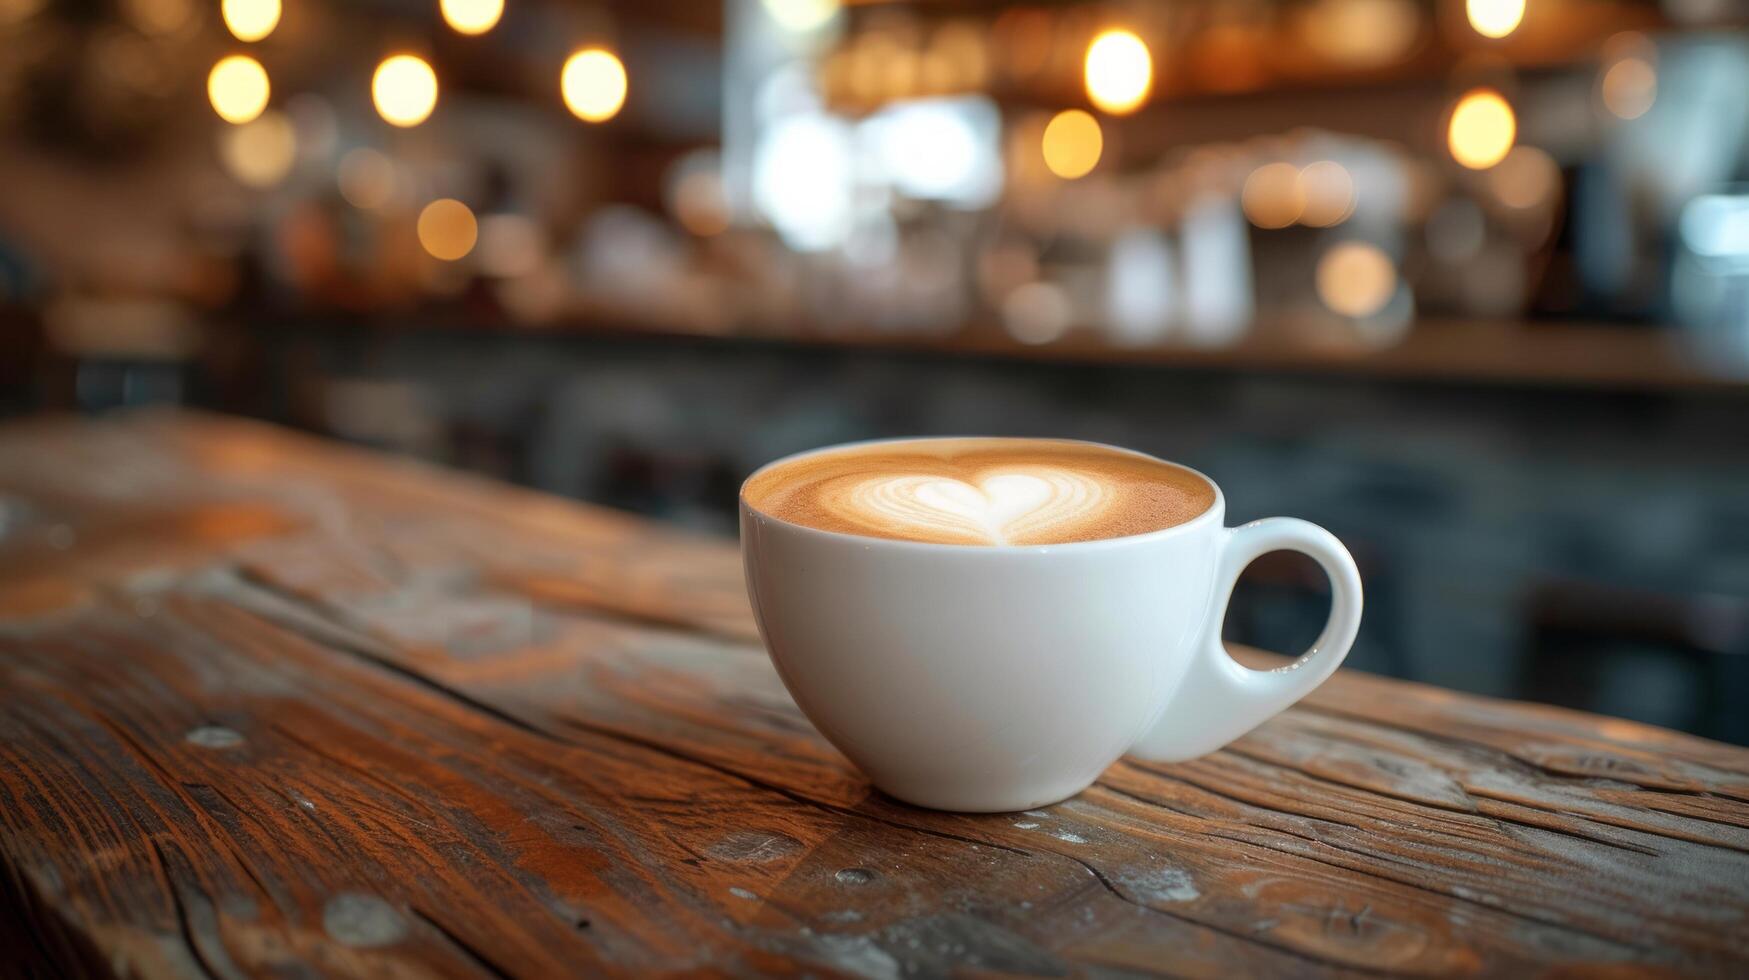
(1577, 355)
(1582, 355)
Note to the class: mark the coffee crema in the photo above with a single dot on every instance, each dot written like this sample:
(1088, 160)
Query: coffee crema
(980, 491)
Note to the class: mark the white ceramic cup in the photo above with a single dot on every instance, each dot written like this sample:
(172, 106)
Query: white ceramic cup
(1004, 678)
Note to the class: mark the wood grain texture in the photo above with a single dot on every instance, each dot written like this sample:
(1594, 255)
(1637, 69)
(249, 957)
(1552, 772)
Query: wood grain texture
(274, 707)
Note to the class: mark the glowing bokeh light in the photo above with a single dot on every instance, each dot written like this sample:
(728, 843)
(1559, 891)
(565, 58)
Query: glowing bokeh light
(1482, 129)
(804, 171)
(471, 16)
(1494, 18)
(939, 149)
(1037, 313)
(238, 88)
(367, 179)
(1141, 288)
(1526, 178)
(250, 20)
(1716, 226)
(700, 206)
(801, 16)
(593, 84)
(1356, 279)
(447, 229)
(260, 153)
(1629, 87)
(1326, 192)
(1273, 197)
(1072, 144)
(1118, 72)
(404, 89)
(693, 190)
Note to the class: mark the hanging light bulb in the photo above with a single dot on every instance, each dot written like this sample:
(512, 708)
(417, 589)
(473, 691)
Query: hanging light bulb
(238, 88)
(250, 20)
(1494, 18)
(404, 89)
(471, 16)
(1118, 72)
(594, 84)
(1482, 130)
(1072, 144)
(447, 229)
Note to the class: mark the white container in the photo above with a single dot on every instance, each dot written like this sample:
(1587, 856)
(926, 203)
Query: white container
(1005, 678)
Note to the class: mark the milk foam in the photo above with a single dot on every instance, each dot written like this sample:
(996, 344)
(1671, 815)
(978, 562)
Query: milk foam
(981, 491)
(1035, 500)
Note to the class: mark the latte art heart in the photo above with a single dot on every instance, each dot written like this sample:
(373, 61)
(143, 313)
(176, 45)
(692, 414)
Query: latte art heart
(980, 491)
(996, 509)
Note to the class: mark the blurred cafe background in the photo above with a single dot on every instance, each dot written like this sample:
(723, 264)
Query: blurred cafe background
(1466, 282)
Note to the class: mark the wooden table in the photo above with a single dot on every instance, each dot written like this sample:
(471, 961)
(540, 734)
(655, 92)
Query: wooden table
(273, 706)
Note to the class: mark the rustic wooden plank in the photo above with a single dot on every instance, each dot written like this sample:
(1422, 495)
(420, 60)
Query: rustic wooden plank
(95, 495)
(273, 705)
(236, 781)
(684, 692)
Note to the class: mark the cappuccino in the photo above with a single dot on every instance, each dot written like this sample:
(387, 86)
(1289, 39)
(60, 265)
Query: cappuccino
(980, 491)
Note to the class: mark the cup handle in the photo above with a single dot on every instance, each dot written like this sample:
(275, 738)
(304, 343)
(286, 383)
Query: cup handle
(1219, 699)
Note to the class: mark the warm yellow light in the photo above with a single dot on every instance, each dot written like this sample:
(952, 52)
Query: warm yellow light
(367, 179)
(260, 153)
(1494, 18)
(1072, 144)
(1118, 72)
(238, 88)
(801, 16)
(1326, 191)
(1629, 88)
(250, 20)
(472, 16)
(594, 85)
(1356, 279)
(1272, 197)
(404, 89)
(447, 229)
(1526, 178)
(1482, 129)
